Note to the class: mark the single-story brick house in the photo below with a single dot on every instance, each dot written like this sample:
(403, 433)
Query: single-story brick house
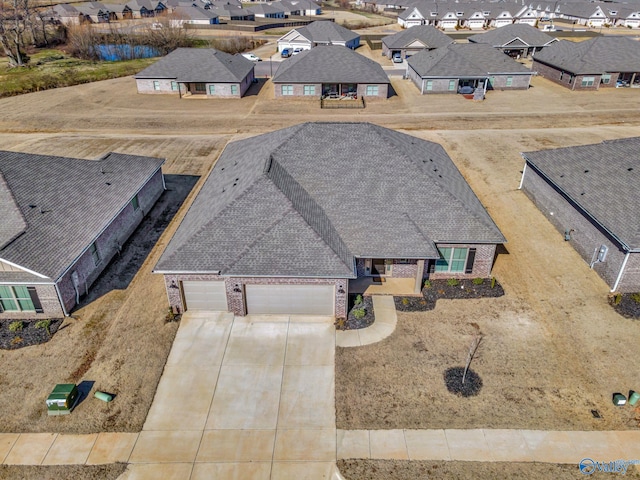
(517, 39)
(591, 64)
(286, 219)
(192, 15)
(63, 221)
(478, 65)
(590, 194)
(197, 71)
(413, 40)
(321, 32)
(330, 72)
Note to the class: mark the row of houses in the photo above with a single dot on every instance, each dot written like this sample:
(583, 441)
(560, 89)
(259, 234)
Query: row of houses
(194, 12)
(484, 14)
(270, 232)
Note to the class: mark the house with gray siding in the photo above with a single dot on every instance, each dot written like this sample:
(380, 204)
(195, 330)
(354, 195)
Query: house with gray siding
(447, 69)
(197, 71)
(330, 72)
(286, 220)
(321, 32)
(413, 40)
(591, 64)
(590, 194)
(63, 221)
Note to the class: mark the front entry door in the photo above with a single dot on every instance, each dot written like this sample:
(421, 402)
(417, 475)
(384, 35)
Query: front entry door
(378, 267)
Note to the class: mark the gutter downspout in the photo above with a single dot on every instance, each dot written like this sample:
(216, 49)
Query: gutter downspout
(624, 264)
(524, 170)
(64, 310)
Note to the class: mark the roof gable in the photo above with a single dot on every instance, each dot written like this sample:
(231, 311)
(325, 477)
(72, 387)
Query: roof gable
(427, 35)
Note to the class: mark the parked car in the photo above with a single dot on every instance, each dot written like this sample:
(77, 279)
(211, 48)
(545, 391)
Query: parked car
(397, 57)
(286, 53)
(252, 57)
(156, 26)
(622, 83)
(297, 50)
(466, 90)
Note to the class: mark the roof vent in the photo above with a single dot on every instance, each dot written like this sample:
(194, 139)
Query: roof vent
(586, 171)
(629, 169)
(107, 183)
(31, 205)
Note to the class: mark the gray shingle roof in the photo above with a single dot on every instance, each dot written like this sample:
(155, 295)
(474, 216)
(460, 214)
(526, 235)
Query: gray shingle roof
(602, 179)
(597, 55)
(199, 65)
(193, 13)
(503, 36)
(430, 36)
(13, 223)
(66, 202)
(307, 200)
(464, 60)
(330, 64)
(327, 32)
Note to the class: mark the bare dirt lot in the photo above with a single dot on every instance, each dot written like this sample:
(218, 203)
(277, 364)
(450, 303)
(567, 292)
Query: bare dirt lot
(553, 348)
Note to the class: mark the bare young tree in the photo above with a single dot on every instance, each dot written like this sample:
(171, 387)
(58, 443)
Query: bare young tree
(14, 20)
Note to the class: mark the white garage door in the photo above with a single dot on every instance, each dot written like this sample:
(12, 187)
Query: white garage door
(290, 299)
(205, 296)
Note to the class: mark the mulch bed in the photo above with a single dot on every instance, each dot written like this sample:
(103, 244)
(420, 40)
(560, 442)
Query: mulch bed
(413, 304)
(629, 306)
(442, 289)
(28, 335)
(453, 380)
(353, 323)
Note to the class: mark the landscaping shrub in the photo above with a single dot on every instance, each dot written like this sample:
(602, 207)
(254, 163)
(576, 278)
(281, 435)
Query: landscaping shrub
(493, 282)
(478, 281)
(44, 324)
(359, 313)
(427, 284)
(358, 300)
(452, 282)
(405, 301)
(16, 326)
(635, 297)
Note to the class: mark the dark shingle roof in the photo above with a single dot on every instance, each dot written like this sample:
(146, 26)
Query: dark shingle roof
(199, 65)
(504, 36)
(66, 202)
(13, 223)
(602, 179)
(307, 200)
(597, 55)
(327, 32)
(430, 36)
(462, 60)
(330, 64)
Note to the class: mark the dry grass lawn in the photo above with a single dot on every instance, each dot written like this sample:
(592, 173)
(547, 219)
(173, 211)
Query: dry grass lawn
(60, 472)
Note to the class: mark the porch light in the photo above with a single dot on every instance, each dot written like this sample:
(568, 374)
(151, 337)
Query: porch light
(237, 288)
(173, 284)
(341, 290)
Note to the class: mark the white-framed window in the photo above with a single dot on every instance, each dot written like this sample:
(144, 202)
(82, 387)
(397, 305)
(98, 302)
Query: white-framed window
(452, 85)
(309, 90)
(95, 253)
(212, 89)
(509, 81)
(156, 85)
(174, 86)
(372, 90)
(16, 299)
(606, 78)
(234, 89)
(135, 203)
(429, 85)
(286, 89)
(452, 259)
(588, 81)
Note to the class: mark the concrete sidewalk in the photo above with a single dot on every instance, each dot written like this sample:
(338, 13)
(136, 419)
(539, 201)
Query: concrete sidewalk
(383, 326)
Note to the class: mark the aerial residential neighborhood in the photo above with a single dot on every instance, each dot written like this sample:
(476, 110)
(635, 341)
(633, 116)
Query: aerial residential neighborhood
(338, 240)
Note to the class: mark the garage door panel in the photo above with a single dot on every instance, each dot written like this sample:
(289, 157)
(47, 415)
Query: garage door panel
(205, 296)
(290, 299)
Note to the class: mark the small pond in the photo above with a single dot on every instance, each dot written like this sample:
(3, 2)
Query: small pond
(114, 53)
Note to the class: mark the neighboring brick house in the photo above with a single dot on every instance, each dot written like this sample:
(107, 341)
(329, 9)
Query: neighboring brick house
(63, 221)
(197, 71)
(286, 219)
(518, 39)
(321, 32)
(447, 69)
(330, 72)
(413, 40)
(590, 194)
(591, 64)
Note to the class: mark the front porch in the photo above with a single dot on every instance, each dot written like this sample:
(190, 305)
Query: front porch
(384, 286)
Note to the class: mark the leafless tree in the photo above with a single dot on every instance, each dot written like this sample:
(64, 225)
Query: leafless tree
(13, 23)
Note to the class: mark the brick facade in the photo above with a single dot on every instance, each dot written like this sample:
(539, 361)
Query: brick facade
(221, 89)
(298, 90)
(566, 79)
(586, 237)
(482, 264)
(441, 85)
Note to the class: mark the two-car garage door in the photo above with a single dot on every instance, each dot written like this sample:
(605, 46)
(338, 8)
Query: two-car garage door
(205, 296)
(290, 299)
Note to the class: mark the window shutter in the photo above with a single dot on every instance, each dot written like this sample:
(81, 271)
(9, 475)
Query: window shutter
(470, 258)
(34, 298)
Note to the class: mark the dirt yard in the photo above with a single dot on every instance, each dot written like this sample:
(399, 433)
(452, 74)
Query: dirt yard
(58, 472)
(553, 326)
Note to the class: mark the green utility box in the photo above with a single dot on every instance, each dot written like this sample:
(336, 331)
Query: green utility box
(62, 399)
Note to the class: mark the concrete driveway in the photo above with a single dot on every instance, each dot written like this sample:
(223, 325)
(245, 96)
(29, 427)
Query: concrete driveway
(242, 398)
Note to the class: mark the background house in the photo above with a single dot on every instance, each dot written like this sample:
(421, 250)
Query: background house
(319, 33)
(591, 64)
(480, 66)
(287, 219)
(330, 71)
(413, 40)
(518, 39)
(197, 71)
(192, 15)
(590, 194)
(63, 222)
